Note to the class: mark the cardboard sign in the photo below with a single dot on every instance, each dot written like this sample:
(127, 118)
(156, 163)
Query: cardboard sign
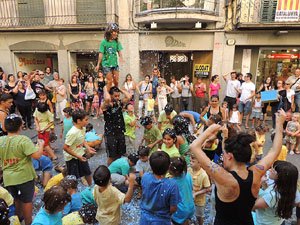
(202, 70)
(269, 96)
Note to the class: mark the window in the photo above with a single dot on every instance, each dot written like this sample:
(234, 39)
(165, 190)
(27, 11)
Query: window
(178, 58)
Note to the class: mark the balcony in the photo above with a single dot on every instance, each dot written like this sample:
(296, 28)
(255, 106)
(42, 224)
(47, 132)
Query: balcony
(51, 13)
(181, 10)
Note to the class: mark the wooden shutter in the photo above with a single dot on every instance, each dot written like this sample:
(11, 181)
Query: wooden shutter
(91, 11)
(268, 10)
(31, 13)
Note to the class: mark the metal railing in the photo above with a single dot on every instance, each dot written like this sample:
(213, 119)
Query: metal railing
(206, 6)
(31, 13)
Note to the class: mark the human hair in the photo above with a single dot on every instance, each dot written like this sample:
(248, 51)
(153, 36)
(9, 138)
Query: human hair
(235, 106)
(181, 127)
(285, 187)
(143, 151)
(78, 114)
(239, 146)
(4, 211)
(265, 81)
(214, 96)
(55, 199)
(9, 76)
(159, 162)
(177, 166)
(249, 75)
(89, 127)
(42, 107)
(223, 103)
(88, 213)
(162, 80)
(147, 75)
(42, 92)
(171, 133)
(261, 128)
(113, 90)
(101, 176)
(216, 118)
(146, 120)
(12, 123)
(68, 110)
(168, 108)
(233, 72)
(69, 181)
(73, 76)
(4, 97)
(49, 68)
(112, 27)
(62, 79)
(64, 171)
(214, 77)
(128, 75)
(133, 157)
(172, 77)
(126, 106)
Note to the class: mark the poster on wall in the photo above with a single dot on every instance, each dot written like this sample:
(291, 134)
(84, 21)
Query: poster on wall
(246, 61)
(202, 70)
(287, 11)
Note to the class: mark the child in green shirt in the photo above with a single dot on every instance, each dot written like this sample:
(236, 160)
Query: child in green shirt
(16, 152)
(130, 126)
(169, 143)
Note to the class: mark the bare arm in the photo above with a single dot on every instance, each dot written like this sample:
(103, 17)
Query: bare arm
(260, 204)
(203, 114)
(100, 57)
(225, 76)
(127, 97)
(107, 99)
(191, 117)
(129, 193)
(39, 153)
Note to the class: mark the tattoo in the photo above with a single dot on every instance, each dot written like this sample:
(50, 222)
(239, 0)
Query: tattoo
(229, 193)
(213, 167)
(260, 167)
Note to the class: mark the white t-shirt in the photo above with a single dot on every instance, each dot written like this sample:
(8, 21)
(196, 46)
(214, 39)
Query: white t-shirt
(176, 93)
(230, 88)
(247, 88)
(289, 95)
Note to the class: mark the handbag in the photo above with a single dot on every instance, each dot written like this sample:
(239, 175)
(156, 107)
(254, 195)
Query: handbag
(141, 97)
(54, 99)
(29, 94)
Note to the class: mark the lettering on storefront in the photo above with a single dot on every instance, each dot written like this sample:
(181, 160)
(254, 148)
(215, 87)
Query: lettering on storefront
(30, 61)
(202, 70)
(172, 42)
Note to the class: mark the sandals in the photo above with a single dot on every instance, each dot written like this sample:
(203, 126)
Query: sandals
(297, 152)
(292, 152)
(24, 128)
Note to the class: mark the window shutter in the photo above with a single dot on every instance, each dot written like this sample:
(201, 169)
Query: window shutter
(268, 10)
(91, 11)
(31, 13)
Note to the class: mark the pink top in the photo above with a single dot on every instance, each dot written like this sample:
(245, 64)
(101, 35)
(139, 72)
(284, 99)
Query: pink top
(200, 91)
(214, 90)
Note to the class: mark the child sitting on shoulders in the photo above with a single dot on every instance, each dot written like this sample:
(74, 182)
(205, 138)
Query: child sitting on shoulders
(108, 198)
(70, 183)
(160, 194)
(92, 139)
(86, 215)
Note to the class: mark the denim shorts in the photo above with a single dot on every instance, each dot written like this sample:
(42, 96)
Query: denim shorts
(107, 70)
(256, 115)
(245, 108)
(199, 211)
(42, 164)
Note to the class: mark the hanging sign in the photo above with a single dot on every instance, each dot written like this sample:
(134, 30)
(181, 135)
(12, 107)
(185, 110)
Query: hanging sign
(202, 70)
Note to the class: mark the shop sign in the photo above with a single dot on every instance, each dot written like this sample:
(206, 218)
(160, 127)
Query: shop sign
(283, 56)
(172, 42)
(202, 70)
(287, 11)
(31, 61)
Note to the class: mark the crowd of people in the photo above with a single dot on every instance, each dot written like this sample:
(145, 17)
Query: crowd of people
(191, 152)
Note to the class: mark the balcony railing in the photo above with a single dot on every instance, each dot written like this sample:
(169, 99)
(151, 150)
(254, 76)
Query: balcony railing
(205, 6)
(33, 13)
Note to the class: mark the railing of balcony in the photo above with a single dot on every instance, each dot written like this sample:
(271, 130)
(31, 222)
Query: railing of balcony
(205, 6)
(31, 13)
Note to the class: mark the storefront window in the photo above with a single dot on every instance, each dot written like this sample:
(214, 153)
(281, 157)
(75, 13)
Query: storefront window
(278, 64)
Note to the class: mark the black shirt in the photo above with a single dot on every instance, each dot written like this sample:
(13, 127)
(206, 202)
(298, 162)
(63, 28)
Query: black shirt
(37, 87)
(114, 120)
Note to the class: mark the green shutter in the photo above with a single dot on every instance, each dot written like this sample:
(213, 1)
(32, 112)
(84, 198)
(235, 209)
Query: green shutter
(91, 11)
(268, 10)
(31, 13)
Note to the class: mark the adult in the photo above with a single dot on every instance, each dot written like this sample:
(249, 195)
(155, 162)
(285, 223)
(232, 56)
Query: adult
(294, 81)
(236, 186)
(114, 126)
(89, 87)
(281, 103)
(232, 89)
(130, 87)
(11, 83)
(42, 78)
(83, 78)
(99, 86)
(74, 89)
(49, 76)
(36, 84)
(240, 78)
(2, 75)
(175, 96)
(247, 91)
(24, 106)
(61, 99)
(290, 94)
(214, 87)
(154, 80)
(144, 89)
(192, 117)
(52, 84)
(20, 75)
(186, 89)
(165, 118)
(162, 91)
(200, 90)
(6, 102)
(277, 202)
(213, 109)
(266, 86)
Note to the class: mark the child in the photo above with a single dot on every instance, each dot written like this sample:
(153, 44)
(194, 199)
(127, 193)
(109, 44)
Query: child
(119, 169)
(86, 215)
(55, 199)
(92, 139)
(9, 200)
(260, 140)
(234, 117)
(160, 195)
(67, 122)
(225, 111)
(108, 198)
(210, 147)
(108, 51)
(73, 148)
(169, 143)
(152, 135)
(165, 118)
(43, 119)
(16, 152)
(257, 106)
(283, 154)
(186, 208)
(6, 217)
(254, 147)
(43, 164)
(142, 165)
(292, 129)
(70, 183)
(95, 104)
(150, 107)
(44, 99)
(55, 180)
(130, 126)
(201, 185)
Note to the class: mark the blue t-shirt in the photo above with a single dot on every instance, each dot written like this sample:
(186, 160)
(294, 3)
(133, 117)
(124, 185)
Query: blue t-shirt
(186, 207)
(42, 164)
(158, 197)
(87, 196)
(44, 218)
(120, 166)
(195, 115)
(68, 124)
(91, 136)
(74, 205)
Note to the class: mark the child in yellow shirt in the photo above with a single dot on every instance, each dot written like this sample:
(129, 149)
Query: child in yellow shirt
(55, 180)
(260, 140)
(150, 107)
